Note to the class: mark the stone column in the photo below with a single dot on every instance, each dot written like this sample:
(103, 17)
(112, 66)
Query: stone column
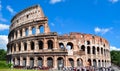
(21, 61)
(22, 46)
(36, 45)
(46, 28)
(55, 43)
(28, 45)
(55, 62)
(23, 30)
(75, 63)
(12, 49)
(37, 29)
(14, 35)
(66, 59)
(27, 61)
(30, 30)
(44, 61)
(16, 47)
(18, 33)
(45, 44)
(35, 61)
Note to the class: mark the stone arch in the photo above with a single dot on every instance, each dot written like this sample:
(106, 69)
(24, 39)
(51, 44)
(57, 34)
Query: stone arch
(50, 62)
(101, 50)
(25, 46)
(88, 49)
(33, 30)
(31, 62)
(94, 63)
(71, 62)
(24, 62)
(41, 28)
(93, 50)
(21, 33)
(69, 46)
(61, 45)
(79, 62)
(26, 32)
(99, 63)
(32, 45)
(40, 61)
(19, 46)
(18, 61)
(16, 33)
(83, 47)
(102, 63)
(89, 62)
(50, 44)
(88, 42)
(60, 62)
(40, 44)
(98, 50)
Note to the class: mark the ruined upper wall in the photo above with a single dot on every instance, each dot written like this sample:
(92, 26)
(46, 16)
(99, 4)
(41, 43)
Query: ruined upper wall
(83, 38)
(33, 13)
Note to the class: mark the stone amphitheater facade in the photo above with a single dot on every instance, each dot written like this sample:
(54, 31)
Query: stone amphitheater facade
(29, 46)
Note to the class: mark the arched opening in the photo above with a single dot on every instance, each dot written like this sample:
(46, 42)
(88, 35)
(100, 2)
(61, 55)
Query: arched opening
(32, 45)
(31, 62)
(71, 61)
(89, 62)
(105, 63)
(21, 32)
(83, 48)
(24, 62)
(61, 45)
(18, 61)
(26, 32)
(50, 44)
(40, 44)
(79, 62)
(88, 49)
(25, 46)
(60, 62)
(49, 62)
(33, 30)
(88, 42)
(19, 46)
(98, 50)
(104, 52)
(101, 50)
(41, 29)
(102, 63)
(99, 63)
(69, 46)
(13, 61)
(40, 61)
(16, 34)
(94, 63)
(93, 49)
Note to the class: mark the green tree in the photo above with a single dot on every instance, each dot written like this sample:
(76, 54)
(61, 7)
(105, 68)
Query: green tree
(115, 57)
(3, 54)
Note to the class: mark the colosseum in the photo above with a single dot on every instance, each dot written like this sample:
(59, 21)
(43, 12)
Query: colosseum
(31, 43)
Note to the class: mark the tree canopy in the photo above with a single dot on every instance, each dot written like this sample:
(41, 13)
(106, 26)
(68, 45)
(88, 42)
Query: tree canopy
(3, 54)
(115, 57)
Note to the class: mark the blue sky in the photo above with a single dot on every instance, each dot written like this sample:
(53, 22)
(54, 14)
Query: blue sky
(98, 17)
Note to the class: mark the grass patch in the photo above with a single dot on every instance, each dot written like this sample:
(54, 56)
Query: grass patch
(20, 70)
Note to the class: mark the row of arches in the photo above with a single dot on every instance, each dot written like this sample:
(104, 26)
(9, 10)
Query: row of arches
(95, 50)
(26, 32)
(98, 63)
(49, 62)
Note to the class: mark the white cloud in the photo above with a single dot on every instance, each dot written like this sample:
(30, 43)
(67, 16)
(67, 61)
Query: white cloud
(3, 41)
(102, 30)
(3, 27)
(113, 1)
(10, 10)
(55, 1)
(52, 24)
(114, 48)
